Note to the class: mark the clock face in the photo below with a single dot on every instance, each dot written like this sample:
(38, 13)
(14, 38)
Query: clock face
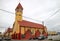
(19, 13)
(18, 18)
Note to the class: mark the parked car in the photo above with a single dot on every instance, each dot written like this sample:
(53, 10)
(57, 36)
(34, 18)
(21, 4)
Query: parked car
(41, 37)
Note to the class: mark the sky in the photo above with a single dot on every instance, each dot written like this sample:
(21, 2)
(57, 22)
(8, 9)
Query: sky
(38, 10)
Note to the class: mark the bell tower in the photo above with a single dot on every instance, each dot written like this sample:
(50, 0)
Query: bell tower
(18, 12)
(18, 17)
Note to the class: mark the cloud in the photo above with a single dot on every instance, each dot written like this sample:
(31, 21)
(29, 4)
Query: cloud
(35, 9)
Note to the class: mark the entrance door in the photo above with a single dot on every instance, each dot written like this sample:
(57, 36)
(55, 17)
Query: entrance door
(28, 34)
(37, 33)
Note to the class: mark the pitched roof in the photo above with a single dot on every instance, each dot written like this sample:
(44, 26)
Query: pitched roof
(30, 24)
(8, 30)
(19, 6)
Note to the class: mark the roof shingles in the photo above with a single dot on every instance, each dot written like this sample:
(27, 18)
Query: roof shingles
(30, 24)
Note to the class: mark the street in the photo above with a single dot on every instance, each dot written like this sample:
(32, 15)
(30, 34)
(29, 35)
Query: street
(50, 38)
(30, 40)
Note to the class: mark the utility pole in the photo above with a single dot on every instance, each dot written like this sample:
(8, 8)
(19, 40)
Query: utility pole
(43, 23)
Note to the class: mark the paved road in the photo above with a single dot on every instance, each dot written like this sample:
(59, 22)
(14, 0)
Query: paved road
(30, 40)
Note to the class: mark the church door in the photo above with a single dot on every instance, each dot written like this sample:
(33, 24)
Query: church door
(37, 33)
(28, 34)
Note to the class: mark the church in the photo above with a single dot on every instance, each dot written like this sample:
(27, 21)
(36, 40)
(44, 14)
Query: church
(23, 29)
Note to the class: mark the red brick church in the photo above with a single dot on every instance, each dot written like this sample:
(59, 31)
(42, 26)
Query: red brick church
(23, 29)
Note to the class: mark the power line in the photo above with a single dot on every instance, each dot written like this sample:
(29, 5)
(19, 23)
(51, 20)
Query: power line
(32, 18)
(23, 16)
(6, 11)
(53, 14)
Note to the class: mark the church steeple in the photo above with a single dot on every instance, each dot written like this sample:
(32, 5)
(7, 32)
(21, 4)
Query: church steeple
(19, 11)
(19, 7)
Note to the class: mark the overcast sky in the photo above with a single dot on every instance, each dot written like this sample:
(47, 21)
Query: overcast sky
(39, 10)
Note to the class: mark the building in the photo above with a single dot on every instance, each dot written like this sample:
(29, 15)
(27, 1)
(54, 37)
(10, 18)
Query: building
(7, 32)
(52, 33)
(23, 29)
